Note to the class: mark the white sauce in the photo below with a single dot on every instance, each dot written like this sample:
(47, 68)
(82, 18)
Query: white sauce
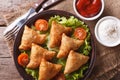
(109, 31)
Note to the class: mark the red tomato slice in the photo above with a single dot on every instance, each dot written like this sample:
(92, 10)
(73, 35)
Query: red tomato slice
(23, 59)
(80, 33)
(41, 25)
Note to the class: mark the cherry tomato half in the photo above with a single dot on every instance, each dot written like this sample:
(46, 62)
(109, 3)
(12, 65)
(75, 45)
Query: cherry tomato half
(41, 25)
(80, 33)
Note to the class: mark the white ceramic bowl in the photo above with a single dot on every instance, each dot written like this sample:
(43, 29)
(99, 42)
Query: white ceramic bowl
(91, 18)
(99, 28)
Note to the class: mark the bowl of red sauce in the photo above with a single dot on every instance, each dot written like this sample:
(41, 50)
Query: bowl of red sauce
(88, 9)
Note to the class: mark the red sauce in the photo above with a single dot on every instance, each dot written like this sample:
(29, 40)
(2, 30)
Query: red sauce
(89, 8)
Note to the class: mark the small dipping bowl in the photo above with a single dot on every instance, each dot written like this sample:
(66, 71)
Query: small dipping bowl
(107, 31)
(92, 17)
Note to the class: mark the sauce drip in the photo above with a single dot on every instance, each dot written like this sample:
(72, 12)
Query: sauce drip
(88, 8)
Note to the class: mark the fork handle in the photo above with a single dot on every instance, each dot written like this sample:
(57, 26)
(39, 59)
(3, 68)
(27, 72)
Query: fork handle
(37, 6)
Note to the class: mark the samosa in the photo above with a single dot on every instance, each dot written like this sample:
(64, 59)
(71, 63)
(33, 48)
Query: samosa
(30, 36)
(68, 44)
(48, 70)
(56, 34)
(74, 61)
(37, 53)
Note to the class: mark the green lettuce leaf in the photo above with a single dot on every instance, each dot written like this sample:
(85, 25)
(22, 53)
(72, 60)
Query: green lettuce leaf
(77, 74)
(34, 73)
(70, 22)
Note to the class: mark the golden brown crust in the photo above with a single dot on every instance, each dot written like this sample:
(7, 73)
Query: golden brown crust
(68, 44)
(48, 70)
(30, 36)
(37, 53)
(75, 61)
(56, 34)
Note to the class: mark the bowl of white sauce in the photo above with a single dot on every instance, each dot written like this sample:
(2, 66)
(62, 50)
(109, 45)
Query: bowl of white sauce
(107, 31)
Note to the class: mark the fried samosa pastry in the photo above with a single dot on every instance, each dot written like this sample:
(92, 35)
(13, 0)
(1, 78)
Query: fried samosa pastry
(30, 36)
(56, 34)
(48, 70)
(37, 53)
(75, 61)
(68, 44)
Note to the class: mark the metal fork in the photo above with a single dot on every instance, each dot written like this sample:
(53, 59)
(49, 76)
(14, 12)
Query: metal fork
(11, 33)
(13, 28)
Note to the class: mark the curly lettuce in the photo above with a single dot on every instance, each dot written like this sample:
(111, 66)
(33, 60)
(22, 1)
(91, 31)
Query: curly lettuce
(70, 22)
(34, 73)
(77, 74)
